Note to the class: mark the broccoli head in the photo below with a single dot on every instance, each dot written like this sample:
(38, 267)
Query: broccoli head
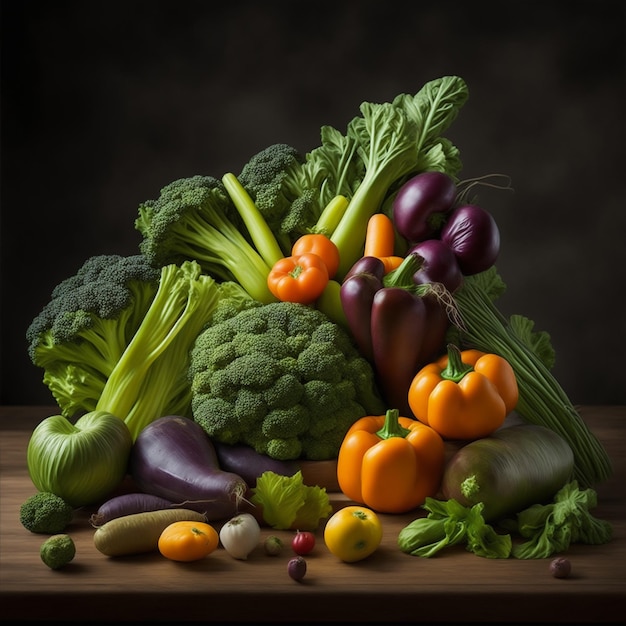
(45, 512)
(57, 551)
(282, 378)
(194, 219)
(285, 189)
(116, 337)
(81, 333)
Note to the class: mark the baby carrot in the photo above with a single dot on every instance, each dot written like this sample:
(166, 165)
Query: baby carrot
(379, 237)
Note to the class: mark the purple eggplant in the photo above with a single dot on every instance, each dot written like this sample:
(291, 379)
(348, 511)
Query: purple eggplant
(173, 458)
(421, 205)
(473, 236)
(246, 462)
(439, 264)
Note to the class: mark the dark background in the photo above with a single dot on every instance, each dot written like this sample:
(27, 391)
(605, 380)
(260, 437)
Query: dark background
(104, 102)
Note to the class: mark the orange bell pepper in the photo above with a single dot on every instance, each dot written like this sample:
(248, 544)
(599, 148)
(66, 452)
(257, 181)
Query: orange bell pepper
(464, 395)
(299, 279)
(390, 463)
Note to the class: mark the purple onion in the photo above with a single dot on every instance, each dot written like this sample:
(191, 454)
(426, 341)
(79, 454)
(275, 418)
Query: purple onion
(421, 205)
(439, 264)
(473, 236)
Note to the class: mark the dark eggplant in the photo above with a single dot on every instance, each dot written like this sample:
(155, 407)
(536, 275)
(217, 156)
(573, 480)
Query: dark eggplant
(439, 264)
(473, 236)
(129, 504)
(246, 462)
(174, 458)
(422, 204)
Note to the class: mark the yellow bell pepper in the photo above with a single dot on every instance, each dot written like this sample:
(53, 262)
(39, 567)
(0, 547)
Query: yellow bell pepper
(464, 395)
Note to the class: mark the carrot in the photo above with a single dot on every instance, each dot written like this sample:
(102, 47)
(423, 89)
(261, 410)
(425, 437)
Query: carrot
(379, 237)
(391, 262)
(379, 241)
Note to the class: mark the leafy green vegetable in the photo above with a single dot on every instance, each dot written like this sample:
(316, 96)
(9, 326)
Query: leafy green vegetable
(288, 503)
(551, 528)
(194, 219)
(116, 337)
(542, 400)
(80, 334)
(394, 141)
(449, 523)
(285, 189)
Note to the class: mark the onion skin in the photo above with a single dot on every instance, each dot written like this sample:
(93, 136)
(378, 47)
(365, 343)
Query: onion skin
(421, 204)
(439, 264)
(473, 236)
(173, 458)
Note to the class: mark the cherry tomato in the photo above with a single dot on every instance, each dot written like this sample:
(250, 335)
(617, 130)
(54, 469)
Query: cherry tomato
(322, 246)
(299, 279)
(303, 542)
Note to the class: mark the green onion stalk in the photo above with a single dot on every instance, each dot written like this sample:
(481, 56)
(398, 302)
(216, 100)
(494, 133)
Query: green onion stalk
(542, 400)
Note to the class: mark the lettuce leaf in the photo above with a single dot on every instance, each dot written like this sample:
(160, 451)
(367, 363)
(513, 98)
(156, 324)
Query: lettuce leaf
(288, 503)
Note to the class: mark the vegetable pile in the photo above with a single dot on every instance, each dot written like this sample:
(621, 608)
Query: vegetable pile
(338, 304)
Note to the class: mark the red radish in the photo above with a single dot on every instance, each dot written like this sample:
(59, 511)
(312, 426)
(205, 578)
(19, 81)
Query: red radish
(303, 542)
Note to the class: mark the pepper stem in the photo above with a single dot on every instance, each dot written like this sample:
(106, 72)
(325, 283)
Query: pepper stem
(402, 276)
(455, 370)
(392, 427)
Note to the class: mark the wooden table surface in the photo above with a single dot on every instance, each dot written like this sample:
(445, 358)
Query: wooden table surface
(454, 587)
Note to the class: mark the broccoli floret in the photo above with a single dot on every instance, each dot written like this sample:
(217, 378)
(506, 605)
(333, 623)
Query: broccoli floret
(82, 332)
(45, 512)
(194, 219)
(116, 337)
(57, 551)
(286, 191)
(292, 385)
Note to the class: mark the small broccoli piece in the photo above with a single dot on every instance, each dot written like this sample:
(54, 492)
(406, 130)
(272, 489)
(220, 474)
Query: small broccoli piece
(194, 219)
(285, 189)
(45, 512)
(292, 385)
(57, 551)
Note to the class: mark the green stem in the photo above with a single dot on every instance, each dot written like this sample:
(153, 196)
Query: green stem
(402, 276)
(261, 234)
(392, 427)
(331, 216)
(455, 370)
